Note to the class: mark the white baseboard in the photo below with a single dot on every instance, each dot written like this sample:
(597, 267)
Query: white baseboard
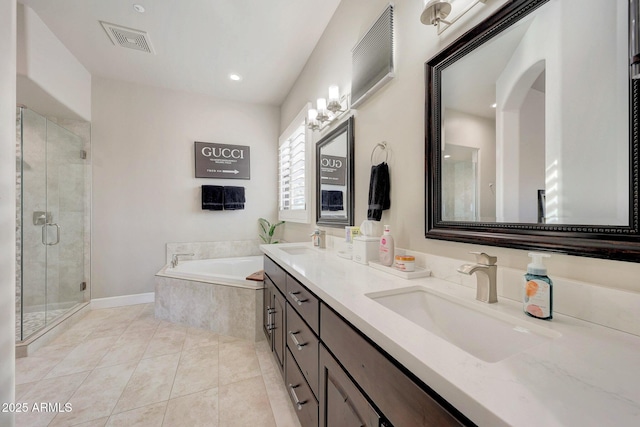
(122, 300)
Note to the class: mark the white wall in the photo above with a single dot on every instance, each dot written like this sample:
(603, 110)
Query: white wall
(579, 101)
(594, 101)
(532, 160)
(144, 190)
(396, 114)
(51, 80)
(7, 204)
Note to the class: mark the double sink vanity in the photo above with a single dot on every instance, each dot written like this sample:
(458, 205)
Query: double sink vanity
(358, 346)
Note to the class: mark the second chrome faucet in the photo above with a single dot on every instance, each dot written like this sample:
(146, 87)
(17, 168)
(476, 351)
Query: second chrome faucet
(486, 272)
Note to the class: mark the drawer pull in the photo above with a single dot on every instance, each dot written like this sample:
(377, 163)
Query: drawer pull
(295, 396)
(270, 312)
(298, 344)
(296, 299)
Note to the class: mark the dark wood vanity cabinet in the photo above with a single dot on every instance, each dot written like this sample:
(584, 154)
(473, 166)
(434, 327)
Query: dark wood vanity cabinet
(402, 401)
(333, 374)
(341, 403)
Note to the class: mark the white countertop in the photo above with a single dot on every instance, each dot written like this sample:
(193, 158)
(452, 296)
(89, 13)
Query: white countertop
(589, 376)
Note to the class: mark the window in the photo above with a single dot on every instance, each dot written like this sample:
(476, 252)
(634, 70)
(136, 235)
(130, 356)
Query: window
(294, 156)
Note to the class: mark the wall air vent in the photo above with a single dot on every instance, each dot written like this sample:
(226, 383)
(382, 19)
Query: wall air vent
(128, 37)
(372, 59)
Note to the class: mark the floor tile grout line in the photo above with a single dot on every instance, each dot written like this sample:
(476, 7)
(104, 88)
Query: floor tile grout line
(133, 372)
(264, 382)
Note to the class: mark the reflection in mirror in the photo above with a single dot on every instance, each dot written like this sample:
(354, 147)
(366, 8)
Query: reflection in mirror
(531, 131)
(544, 117)
(334, 173)
(460, 184)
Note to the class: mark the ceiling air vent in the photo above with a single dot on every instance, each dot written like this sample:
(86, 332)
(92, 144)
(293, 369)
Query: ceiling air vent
(128, 37)
(372, 59)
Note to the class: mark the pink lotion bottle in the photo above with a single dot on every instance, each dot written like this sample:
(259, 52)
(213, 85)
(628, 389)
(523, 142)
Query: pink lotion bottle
(386, 247)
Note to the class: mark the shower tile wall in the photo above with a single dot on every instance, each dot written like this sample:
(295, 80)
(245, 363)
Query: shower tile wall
(71, 206)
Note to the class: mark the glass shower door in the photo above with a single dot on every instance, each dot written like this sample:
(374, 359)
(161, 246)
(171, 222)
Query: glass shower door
(53, 207)
(64, 233)
(33, 195)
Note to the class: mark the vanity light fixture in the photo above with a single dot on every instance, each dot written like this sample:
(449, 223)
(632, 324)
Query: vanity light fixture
(312, 119)
(328, 111)
(437, 12)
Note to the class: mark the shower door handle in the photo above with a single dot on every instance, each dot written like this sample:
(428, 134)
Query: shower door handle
(45, 240)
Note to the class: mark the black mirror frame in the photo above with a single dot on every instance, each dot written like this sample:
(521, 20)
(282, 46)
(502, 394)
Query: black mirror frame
(344, 127)
(608, 242)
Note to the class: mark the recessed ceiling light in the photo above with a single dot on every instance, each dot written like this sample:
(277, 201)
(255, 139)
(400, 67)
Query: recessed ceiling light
(494, 105)
(138, 8)
(235, 77)
(446, 156)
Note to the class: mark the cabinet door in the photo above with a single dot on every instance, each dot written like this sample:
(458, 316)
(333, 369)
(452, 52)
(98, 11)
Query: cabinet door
(341, 403)
(267, 312)
(278, 316)
(402, 401)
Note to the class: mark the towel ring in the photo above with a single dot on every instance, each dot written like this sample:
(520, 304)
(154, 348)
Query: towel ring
(383, 146)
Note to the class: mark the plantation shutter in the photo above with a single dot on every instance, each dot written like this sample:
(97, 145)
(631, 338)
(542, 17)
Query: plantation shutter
(293, 179)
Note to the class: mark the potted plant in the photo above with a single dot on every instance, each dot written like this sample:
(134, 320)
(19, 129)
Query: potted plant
(267, 230)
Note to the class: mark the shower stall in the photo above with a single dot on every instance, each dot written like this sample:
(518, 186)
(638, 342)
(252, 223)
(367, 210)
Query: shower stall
(53, 221)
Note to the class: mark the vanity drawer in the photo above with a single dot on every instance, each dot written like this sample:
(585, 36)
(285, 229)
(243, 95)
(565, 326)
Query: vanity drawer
(303, 344)
(275, 273)
(300, 394)
(304, 302)
(399, 398)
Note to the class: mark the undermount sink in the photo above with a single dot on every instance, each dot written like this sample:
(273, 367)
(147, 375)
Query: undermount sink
(296, 250)
(480, 331)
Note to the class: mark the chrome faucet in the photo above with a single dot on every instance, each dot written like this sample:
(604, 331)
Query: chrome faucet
(486, 269)
(174, 259)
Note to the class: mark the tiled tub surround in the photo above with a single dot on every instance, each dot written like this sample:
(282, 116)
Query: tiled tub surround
(588, 376)
(210, 250)
(229, 310)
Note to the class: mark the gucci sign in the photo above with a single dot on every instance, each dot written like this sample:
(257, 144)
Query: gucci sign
(222, 161)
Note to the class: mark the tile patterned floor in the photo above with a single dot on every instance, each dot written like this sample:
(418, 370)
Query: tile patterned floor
(122, 367)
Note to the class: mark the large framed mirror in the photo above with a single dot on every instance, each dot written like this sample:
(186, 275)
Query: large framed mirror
(334, 177)
(532, 132)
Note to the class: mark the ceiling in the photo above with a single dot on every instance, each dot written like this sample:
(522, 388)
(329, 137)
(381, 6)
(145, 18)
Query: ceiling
(197, 43)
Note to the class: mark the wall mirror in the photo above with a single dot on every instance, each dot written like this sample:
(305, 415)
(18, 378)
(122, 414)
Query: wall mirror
(532, 132)
(334, 177)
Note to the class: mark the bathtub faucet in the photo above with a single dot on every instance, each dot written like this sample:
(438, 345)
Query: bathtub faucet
(174, 259)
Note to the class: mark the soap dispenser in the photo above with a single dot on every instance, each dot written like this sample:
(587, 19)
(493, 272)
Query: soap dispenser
(538, 289)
